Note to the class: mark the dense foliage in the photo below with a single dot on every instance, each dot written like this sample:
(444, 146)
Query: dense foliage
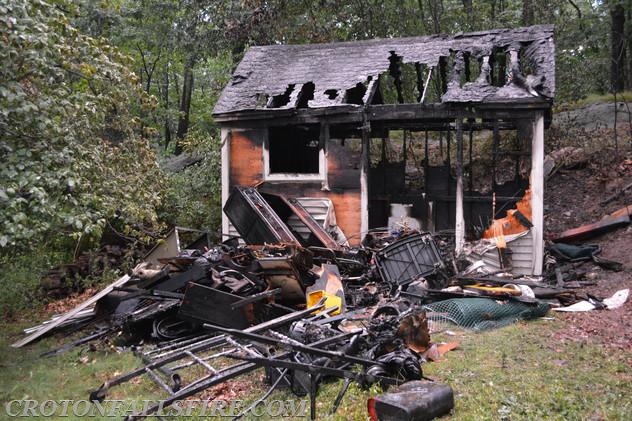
(193, 198)
(71, 156)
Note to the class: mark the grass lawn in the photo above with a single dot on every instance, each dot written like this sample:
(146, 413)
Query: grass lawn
(521, 372)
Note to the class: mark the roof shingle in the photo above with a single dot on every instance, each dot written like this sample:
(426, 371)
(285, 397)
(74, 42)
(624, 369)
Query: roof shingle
(268, 71)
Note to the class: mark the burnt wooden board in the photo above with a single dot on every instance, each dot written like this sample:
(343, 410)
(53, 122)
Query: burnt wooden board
(210, 305)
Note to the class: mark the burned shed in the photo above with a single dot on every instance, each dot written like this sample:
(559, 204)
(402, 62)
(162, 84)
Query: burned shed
(350, 128)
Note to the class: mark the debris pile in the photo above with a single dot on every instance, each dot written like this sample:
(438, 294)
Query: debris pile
(64, 279)
(306, 308)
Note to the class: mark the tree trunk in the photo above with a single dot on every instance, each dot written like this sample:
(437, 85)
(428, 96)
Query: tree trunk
(422, 15)
(469, 11)
(436, 7)
(629, 42)
(185, 104)
(166, 103)
(527, 13)
(147, 69)
(617, 51)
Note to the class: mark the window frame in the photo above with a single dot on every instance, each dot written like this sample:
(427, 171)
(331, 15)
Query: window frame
(321, 176)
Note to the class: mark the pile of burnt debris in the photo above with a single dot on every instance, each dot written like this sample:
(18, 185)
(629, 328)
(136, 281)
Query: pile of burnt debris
(308, 309)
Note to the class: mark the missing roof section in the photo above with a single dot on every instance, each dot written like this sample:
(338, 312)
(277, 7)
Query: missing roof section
(355, 95)
(306, 95)
(331, 93)
(282, 100)
(511, 71)
(395, 71)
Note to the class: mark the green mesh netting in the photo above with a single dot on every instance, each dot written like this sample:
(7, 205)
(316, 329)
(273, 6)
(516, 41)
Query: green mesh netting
(482, 313)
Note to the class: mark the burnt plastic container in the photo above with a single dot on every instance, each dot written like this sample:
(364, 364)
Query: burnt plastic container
(413, 401)
(409, 259)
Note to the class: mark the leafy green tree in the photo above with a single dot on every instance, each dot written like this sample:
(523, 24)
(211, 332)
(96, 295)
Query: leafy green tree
(193, 198)
(72, 158)
(171, 43)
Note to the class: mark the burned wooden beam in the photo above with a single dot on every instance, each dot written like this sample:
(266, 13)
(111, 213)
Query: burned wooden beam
(607, 224)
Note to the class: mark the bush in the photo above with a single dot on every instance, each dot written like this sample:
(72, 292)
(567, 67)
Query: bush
(193, 196)
(71, 153)
(20, 281)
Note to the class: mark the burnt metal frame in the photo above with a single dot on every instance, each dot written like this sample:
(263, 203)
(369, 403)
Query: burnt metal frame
(251, 359)
(179, 351)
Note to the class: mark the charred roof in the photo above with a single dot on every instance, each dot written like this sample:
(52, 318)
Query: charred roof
(505, 65)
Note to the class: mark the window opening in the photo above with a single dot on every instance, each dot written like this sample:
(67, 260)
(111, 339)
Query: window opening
(294, 150)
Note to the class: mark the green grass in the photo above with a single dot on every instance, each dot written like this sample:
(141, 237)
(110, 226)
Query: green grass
(20, 279)
(27, 375)
(521, 372)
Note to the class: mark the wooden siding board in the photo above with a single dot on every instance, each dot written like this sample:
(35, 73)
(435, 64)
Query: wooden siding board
(246, 158)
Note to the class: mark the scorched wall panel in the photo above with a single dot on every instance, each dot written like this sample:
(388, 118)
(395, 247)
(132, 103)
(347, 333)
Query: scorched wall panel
(246, 158)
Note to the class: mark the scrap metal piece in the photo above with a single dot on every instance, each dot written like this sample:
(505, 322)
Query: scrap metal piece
(67, 347)
(252, 360)
(282, 268)
(210, 305)
(294, 345)
(171, 245)
(181, 349)
(178, 280)
(83, 316)
(328, 285)
(287, 207)
(255, 297)
(341, 394)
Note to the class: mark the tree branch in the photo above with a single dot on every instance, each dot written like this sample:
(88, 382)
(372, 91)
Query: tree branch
(579, 14)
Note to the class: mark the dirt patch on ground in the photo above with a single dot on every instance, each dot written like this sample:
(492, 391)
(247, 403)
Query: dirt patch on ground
(572, 199)
(235, 388)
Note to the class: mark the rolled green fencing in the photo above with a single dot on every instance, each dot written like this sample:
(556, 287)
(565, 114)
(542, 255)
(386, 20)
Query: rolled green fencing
(482, 313)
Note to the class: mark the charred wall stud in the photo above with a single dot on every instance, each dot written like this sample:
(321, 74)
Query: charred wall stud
(394, 70)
